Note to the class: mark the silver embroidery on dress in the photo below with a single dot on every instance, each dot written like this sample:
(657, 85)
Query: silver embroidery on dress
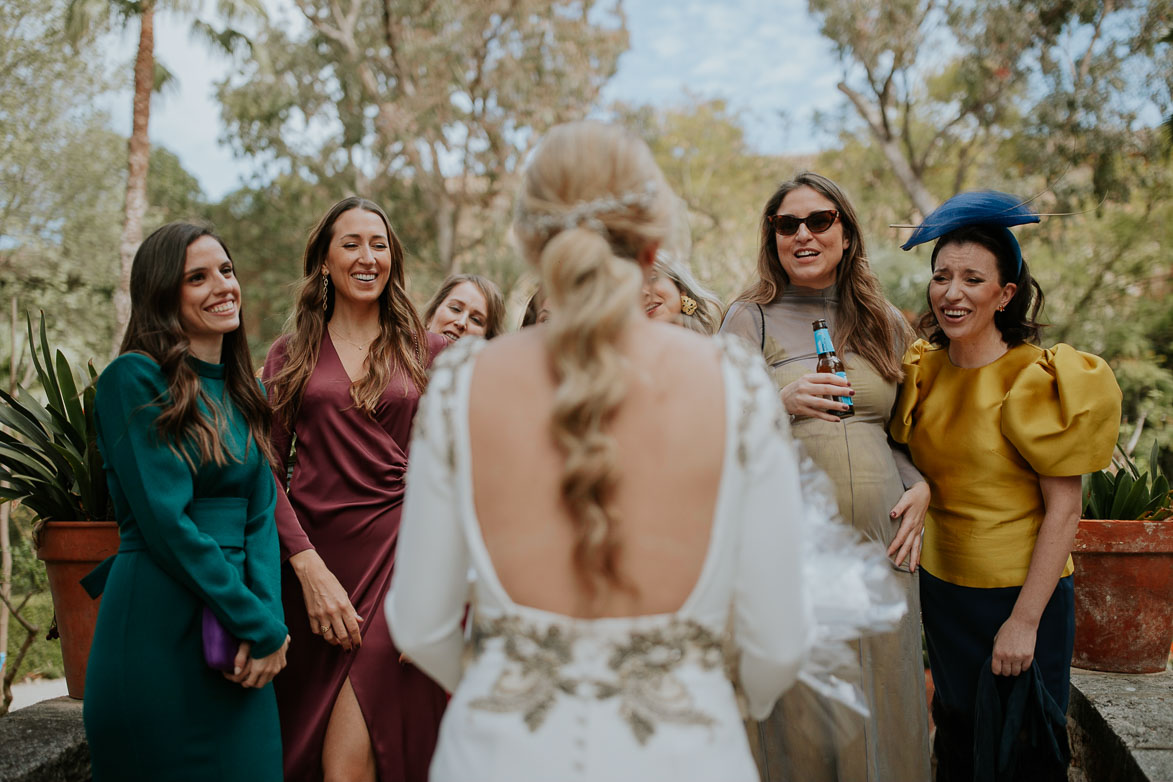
(643, 672)
(442, 391)
(752, 381)
(648, 691)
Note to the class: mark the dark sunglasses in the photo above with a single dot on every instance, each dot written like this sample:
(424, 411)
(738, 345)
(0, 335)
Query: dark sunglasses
(816, 222)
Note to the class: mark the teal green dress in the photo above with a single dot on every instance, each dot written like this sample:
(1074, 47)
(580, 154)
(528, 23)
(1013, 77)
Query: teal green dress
(153, 709)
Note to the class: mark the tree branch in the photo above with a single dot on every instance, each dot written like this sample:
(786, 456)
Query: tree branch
(1144, 414)
(922, 200)
(13, 611)
(333, 33)
(390, 37)
(1086, 61)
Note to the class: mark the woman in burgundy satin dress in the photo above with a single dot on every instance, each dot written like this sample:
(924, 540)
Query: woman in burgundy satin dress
(344, 386)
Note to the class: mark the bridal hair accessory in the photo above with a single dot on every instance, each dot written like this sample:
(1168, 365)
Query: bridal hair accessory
(687, 304)
(985, 207)
(585, 213)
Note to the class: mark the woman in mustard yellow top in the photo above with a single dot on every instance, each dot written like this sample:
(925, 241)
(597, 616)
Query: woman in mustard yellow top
(1002, 430)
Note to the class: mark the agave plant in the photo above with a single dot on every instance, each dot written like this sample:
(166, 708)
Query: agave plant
(49, 459)
(1128, 494)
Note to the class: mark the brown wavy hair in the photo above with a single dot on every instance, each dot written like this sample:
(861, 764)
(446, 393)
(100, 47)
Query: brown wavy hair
(400, 347)
(866, 320)
(592, 199)
(156, 331)
(494, 301)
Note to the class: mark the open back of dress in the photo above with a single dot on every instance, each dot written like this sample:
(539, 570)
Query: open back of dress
(542, 695)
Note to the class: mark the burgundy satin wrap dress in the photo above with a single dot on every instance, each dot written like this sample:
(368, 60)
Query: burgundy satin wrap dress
(345, 498)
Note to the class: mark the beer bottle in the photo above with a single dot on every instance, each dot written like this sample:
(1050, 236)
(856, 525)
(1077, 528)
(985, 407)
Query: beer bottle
(829, 362)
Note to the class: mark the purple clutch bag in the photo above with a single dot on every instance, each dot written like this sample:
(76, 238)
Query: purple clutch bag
(219, 645)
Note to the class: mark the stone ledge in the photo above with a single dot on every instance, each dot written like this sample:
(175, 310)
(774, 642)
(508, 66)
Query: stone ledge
(1121, 727)
(45, 742)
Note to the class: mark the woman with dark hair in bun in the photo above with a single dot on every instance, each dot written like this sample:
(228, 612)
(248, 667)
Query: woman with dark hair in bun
(1002, 429)
(183, 428)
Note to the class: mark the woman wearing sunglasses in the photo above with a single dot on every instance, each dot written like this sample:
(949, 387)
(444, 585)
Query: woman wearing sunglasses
(812, 264)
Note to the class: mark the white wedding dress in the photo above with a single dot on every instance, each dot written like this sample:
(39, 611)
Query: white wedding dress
(543, 696)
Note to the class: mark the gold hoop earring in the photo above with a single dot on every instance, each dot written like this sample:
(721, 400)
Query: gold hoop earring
(687, 304)
(325, 292)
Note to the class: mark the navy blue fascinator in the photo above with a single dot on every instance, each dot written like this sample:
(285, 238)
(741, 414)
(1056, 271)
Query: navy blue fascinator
(985, 207)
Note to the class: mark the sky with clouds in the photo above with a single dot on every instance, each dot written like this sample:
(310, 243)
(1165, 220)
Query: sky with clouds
(764, 57)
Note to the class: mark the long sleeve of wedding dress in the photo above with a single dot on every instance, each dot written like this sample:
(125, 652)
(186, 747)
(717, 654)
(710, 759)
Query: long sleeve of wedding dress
(429, 588)
(771, 620)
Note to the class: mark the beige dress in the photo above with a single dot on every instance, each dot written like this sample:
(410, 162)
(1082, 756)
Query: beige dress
(800, 741)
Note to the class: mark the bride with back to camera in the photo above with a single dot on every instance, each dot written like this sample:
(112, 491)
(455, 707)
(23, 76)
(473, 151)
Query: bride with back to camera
(621, 570)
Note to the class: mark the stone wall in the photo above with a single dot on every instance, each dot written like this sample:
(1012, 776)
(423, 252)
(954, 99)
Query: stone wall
(1121, 727)
(45, 742)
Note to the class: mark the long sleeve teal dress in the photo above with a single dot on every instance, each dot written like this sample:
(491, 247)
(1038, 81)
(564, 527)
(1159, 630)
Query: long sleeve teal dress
(189, 538)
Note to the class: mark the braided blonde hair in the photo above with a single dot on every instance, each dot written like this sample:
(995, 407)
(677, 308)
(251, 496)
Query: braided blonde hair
(591, 201)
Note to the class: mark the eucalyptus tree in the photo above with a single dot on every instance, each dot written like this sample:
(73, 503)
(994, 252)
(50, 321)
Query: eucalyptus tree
(940, 84)
(434, 103)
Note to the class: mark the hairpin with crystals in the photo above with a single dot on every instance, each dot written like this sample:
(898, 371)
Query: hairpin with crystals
(585, 213)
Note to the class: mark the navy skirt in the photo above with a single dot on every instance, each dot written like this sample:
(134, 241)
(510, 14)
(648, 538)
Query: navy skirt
(960, 624)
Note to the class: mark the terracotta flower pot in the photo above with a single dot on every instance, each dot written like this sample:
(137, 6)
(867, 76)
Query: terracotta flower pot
(1123, 595)
(70, 550)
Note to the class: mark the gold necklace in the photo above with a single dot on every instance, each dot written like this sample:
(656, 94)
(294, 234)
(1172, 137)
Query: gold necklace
(358, 345)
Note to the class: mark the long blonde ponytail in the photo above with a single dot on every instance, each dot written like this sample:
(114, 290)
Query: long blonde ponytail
(592, 201)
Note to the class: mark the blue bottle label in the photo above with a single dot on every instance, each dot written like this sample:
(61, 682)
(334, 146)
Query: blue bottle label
(845, 399)
(823, 341)
(823, 345)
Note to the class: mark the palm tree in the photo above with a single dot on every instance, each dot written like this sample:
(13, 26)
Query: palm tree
(82, 18)
(1168, 123)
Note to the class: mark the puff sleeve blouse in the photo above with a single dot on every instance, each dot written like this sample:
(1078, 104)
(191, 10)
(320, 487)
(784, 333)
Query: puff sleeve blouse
(983, 437)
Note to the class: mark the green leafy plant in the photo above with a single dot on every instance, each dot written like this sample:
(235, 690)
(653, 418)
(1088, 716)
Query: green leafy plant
(49, 456)
(1128, 494)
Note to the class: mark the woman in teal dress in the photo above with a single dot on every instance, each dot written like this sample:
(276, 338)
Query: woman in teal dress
(183, 428)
